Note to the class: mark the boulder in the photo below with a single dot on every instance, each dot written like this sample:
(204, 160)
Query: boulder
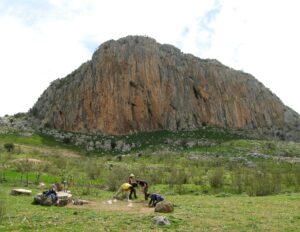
(164, 207)
(16, 192)
(40, 199)
(63, 198)
(161, 220)
(62, 202)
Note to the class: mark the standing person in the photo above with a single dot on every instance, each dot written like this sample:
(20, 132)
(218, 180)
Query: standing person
(144, 186)
(154, 199)
(124, 188)
(132, 182)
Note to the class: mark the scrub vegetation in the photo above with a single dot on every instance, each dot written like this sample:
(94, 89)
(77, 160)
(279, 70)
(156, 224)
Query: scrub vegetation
(226, 182)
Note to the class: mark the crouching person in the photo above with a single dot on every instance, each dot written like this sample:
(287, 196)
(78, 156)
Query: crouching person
(52, 193)
(154, 199)
(47, 198)
(124, 188)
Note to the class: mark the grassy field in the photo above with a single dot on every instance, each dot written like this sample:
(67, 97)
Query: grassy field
(235, 184)
(192, 213)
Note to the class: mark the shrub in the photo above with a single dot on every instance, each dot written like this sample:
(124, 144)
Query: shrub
(33, 111)
(117, 176)
(66, 140)
(260, 183)
(177, 177)
(216, 179)
(19, 115)
(9, 147)
(93, 170)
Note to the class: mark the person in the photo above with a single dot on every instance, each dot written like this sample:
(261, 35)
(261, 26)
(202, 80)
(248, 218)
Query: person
(124, 188)
(52, 193)
(144, 186)
(154, 199)
(133, 183)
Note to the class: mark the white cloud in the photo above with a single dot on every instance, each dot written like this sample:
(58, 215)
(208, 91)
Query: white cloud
(47, 40)
(260, 37)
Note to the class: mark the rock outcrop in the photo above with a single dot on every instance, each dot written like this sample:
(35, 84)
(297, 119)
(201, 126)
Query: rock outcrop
(136, 84)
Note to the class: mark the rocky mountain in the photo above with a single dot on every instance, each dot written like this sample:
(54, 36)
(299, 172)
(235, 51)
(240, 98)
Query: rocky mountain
(136, 84)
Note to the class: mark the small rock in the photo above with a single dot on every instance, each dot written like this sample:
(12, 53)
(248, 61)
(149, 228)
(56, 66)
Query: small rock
(41, 185)
(16, 192)
(161, 220)
(109, 202)
(80, 202)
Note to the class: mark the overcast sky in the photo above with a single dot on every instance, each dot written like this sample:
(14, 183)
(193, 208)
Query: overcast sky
(42, 40)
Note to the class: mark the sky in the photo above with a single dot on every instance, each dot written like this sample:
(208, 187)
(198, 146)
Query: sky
(42, 40)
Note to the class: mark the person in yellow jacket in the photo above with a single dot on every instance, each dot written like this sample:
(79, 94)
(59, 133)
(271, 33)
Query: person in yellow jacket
(124, 188)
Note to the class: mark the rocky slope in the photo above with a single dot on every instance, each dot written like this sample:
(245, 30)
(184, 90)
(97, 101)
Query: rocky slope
(136, 84)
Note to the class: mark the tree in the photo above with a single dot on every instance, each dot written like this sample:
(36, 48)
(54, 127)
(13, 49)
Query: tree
(24, 167)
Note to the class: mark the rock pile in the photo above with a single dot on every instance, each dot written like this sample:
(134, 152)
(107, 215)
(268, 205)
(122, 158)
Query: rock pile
(92, 142)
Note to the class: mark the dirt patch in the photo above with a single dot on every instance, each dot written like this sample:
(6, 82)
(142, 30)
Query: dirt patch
(51, 152)
(118, 206)
(29, 160)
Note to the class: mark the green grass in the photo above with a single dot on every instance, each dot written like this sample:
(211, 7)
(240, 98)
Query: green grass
(192, 213)
(37, 140)
(184, 175)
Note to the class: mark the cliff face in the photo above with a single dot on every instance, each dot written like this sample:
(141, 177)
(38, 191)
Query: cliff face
(136, 84)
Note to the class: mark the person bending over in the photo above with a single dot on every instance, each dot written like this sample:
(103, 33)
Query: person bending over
(144, 186)
(154, 199)
(124, 188)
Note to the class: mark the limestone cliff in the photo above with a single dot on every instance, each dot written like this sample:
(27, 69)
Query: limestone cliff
(136, 84)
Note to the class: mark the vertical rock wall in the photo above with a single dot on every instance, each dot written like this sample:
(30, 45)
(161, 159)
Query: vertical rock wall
(136, 84)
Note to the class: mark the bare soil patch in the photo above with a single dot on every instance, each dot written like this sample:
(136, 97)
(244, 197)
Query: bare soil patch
(117, 206)
(49, 151)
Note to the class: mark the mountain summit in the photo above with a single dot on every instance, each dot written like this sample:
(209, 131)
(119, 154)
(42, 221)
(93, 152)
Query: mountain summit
(136, 84)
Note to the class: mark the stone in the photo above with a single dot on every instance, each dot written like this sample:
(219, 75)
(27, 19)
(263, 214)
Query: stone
(64, 196)
(135, 84)
(16, 192)
(62, 202)
(119, 145)
(107, 145)
(164, 207)
(41, 185)
(80, 202)
(126, 148)
(40, 199)
(161, 220)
